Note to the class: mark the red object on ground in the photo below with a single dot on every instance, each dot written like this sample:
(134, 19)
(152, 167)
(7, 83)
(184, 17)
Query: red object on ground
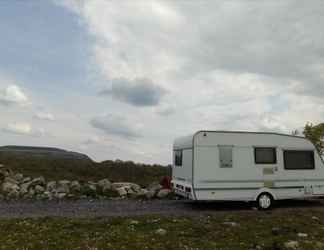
(166, 182)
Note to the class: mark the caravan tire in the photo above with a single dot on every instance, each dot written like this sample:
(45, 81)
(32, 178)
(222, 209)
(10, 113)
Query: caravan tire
(264, 201)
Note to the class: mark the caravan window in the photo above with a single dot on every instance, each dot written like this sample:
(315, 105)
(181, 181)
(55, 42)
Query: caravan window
(226, 156)
(178, 157)
(265, 155)
(299, 159)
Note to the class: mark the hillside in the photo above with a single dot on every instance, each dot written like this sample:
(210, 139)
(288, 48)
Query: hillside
(55, 164)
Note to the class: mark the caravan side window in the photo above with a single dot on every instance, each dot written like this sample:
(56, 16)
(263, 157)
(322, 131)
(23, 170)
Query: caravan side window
(178, 158)
(299, 159)
(265, 155)
(225, 156)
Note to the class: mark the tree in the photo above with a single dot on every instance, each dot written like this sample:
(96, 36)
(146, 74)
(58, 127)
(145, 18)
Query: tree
(315, 133)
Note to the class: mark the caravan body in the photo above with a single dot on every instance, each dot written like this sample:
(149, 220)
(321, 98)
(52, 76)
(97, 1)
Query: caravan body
(221, 165)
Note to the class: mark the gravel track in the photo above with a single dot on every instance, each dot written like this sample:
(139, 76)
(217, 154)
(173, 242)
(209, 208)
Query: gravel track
(108, 208)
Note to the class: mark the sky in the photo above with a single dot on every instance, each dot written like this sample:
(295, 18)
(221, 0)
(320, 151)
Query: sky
(123, 79)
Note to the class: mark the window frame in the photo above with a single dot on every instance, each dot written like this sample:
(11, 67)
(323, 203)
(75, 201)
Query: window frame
(274, 150)
(299, 150)
(176, 163)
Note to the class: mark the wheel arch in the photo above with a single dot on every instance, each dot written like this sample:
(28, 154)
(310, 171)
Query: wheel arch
(264, 190)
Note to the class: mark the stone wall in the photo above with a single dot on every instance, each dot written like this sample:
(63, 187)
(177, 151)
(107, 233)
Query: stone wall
(17, 186)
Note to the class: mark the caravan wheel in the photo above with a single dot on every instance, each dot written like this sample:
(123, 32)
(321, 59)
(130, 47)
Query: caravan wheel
(264, 201)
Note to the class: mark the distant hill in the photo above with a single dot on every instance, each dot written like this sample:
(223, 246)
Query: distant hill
(43, 151)
(56, 164)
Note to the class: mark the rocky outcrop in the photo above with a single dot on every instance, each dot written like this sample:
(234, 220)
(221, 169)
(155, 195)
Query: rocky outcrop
(18, 186)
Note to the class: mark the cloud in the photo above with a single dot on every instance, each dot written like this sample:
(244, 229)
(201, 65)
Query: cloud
(11, 95)
(116, 125)
(44, 116)
(137, 92)
(23, 128)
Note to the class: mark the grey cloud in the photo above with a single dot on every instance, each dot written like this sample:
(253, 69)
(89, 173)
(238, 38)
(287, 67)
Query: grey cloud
(137, 92)
(115, 125)
(280, 40)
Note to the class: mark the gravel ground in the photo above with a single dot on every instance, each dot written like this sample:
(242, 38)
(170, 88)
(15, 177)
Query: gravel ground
(97, 208)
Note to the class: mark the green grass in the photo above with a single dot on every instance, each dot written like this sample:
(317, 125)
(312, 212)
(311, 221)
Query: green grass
(199, 232)
(83, 169)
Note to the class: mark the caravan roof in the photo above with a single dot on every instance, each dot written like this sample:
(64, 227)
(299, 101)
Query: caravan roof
(187, 141)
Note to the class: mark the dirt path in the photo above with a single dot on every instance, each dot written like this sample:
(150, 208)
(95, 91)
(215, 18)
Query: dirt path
(85, 208)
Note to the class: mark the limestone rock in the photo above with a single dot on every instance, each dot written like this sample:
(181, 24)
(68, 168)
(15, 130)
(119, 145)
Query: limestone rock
(24, 188)
(26, 179)
(51, 186)
(38, 181)
(161, 231)
(302, 235)
(121, 191)
(75, 187)
(291, 244)
(8, 187)
(39, 189)
(18, 177)
(10, 180)
(104, 184)
(63, 186)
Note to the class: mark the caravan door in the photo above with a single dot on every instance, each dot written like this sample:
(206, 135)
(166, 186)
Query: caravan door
(266, 158)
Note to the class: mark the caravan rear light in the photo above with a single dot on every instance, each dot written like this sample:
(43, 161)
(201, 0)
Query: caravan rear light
(188, 189)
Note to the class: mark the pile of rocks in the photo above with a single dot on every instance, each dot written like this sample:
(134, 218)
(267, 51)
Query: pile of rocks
(17, 186)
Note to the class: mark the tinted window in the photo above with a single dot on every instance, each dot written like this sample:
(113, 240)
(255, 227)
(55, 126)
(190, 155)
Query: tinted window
(297, 159)
(178, 157)
(265, 155)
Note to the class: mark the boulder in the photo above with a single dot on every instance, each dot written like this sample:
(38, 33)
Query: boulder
(51, 186)
(291, 244)
(161, 232)
(230, 223)
(4, 172)
(31, 193)
(155, 187)
(121, 191)
(129, 185)
(163, 193)
(104, 184)
(38, 181)
(14, 194)
(18, 177)
(10, 180)
(302, 235)
(24, 188)
(39, 189)
(9, 187)
(75, 187)
(26, 179)
(63, 186)
(104, 187)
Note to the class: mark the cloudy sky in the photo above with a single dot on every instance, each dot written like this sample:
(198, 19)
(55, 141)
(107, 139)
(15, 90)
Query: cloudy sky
(122, 79)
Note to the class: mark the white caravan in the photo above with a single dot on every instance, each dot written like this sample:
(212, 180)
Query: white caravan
(246, 166)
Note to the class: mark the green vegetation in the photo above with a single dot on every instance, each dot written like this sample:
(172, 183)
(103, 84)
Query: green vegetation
(243, 230)
(83, 169)
(315, 133)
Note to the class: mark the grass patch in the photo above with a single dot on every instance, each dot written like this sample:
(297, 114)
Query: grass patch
(252, 230)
